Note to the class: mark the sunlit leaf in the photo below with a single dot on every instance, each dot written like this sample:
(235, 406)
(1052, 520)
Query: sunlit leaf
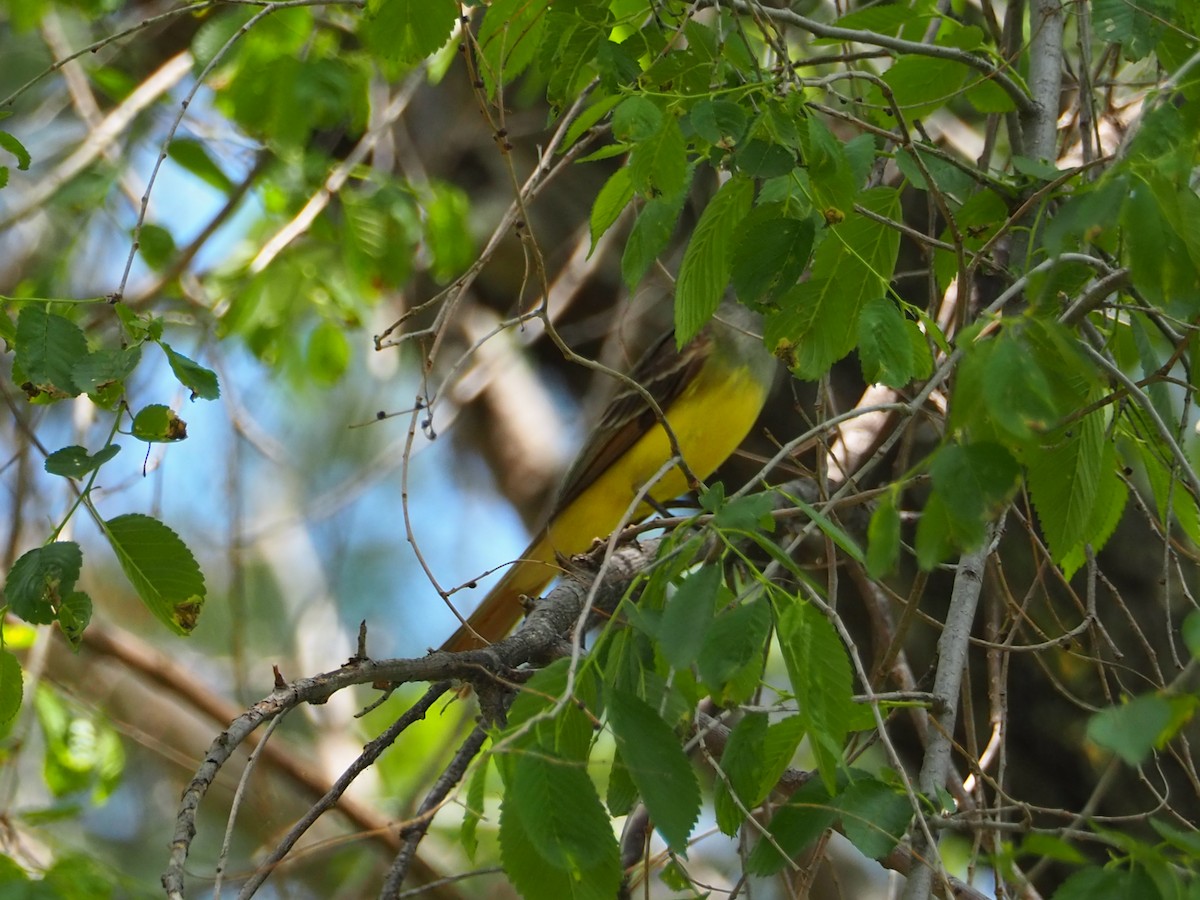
(160, 567)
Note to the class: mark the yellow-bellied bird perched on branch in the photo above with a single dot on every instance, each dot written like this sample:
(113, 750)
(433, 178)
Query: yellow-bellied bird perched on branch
(710, 391)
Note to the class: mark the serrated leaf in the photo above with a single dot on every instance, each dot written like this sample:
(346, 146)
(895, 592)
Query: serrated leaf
(973, 481)
(75, 461)
(102, 373)
(770, 252)
(921, 84)
(779, 747)
(1016, 389)
(687, 617)
(792, 829)
(1064, 476)
(658, 165)
(819, 672)
(158, 424)
(884, 349)
(708, 260)
(741, 763)
(508, 39)
(658, 766)
(555, 837)
(874, 816)
(732, 658)
(160, 567)
(408, 30)
(651, 233)
(535, 880)
(200, 381)
(611, 201)
(1111, 496)
(11, 689)
(48, 349)
(41, 579)
(637, 119)
(719, 122)
(817, 321)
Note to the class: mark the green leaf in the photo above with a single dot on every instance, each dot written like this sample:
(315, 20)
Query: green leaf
(156, 245)
(41, 579)
(658, 165)
(770, 252)
(1108, 884)
(874, 816)
(408, 30)
(75, 462)
(1131, 730)
(884, 349)
(508, 39)
(1190, 629)
(649, 236)
(687, 617)
(556, 840)
(793, 828)
(741, 763)
(779, 747)
(10, 143)
(158, 424)
(1016, 389)
(1052, 846)
(935, 536)
(622, 792)
(973, 481)
(1136, 27)
(636, 119)
(658, 766)
(1064, 476)
(160, 567)
(11, 689)
(200, 381)
(473, 809)
(192, 156)
(611, 201)
(328, 353)
(82, 751)
(817, 322)
(47, 351)
(883, 537)
(102, 373)
(819, 671)
(922, 84)
(732, 659)
(707, 261)
(74, 616)
(1111, 496)
(720, 122)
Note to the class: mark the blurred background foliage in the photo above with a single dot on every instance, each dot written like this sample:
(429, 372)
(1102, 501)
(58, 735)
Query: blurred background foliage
(319, 171)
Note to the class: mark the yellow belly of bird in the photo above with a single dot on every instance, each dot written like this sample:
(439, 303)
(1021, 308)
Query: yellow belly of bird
(710, 419)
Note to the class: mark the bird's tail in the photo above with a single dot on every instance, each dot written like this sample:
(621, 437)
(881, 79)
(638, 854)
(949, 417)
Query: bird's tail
(502, 607)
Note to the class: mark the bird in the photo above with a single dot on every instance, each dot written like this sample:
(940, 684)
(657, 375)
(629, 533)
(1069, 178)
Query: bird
(710, 391)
